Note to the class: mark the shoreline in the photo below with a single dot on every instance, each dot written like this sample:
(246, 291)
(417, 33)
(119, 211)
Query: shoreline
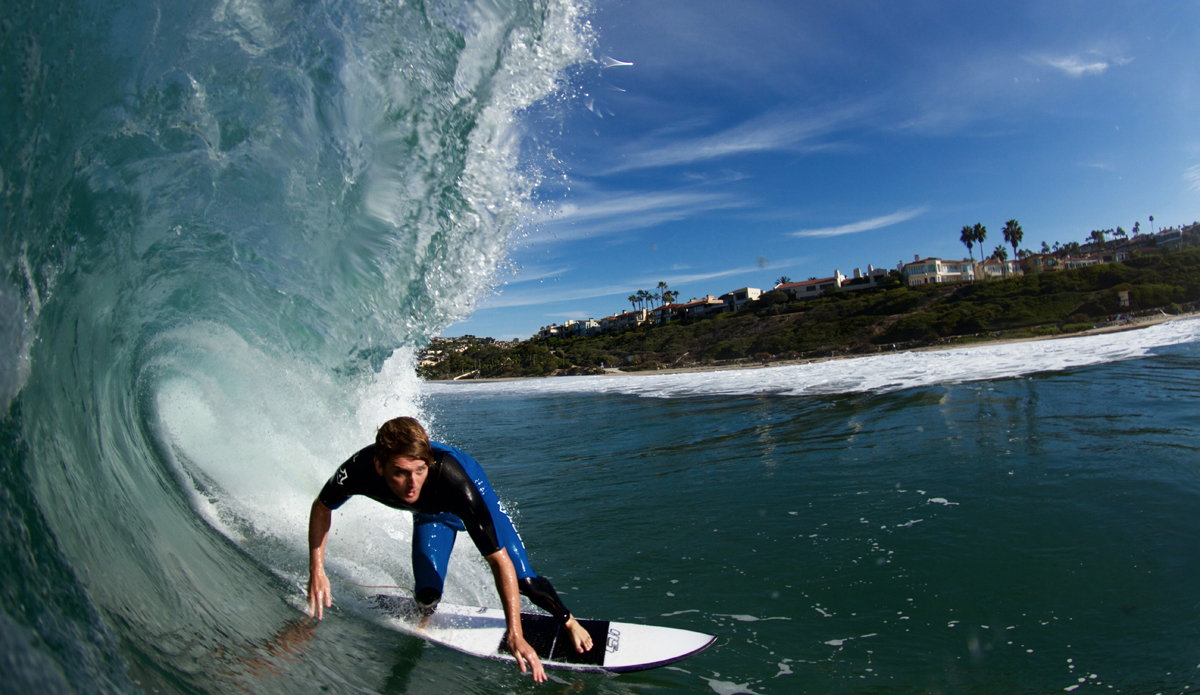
(1133, 325)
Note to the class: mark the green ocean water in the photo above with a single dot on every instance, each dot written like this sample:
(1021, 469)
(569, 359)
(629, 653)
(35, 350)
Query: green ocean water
(1022, 535)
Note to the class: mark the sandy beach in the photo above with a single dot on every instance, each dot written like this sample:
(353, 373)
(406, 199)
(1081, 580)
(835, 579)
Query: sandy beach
(1131, 324)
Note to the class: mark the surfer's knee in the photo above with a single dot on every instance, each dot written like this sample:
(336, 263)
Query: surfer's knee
(427, 600)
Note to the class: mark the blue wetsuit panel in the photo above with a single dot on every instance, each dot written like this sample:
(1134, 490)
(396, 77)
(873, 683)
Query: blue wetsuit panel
(433, 534)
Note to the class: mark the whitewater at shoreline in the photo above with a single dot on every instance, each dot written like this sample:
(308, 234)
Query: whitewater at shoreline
(1132, 325)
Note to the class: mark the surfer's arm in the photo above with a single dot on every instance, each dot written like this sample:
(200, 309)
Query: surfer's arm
(319, 595)
(506, 585)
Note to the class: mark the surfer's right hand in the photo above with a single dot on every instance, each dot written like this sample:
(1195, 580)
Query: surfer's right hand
(525, 654)
(320, 596)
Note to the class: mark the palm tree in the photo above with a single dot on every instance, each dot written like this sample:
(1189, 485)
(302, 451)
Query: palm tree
(633, 299)
(1097, 236)
(1013, 234)
(783, 280)
(968, 237)
(662, 292)
(1000, 253)
(1137, 226)
(980, 233)
(1152, 224)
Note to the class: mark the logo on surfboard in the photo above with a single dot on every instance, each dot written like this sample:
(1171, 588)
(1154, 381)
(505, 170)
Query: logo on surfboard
(614, 640)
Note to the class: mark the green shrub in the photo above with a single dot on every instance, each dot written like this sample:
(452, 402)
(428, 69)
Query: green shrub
(1154, 296)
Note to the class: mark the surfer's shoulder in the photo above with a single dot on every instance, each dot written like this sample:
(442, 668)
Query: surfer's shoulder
(358, 468)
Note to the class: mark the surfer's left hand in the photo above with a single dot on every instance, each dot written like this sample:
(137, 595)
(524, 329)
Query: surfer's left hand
(525, 654)
(580, 636)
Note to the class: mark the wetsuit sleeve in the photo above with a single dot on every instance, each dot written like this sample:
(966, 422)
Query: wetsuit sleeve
(345, 481)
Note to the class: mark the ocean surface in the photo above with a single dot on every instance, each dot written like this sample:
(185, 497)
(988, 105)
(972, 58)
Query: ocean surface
(227, 225)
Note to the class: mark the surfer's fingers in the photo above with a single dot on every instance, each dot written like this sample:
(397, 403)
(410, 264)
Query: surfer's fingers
(318, 601)
(535, 665)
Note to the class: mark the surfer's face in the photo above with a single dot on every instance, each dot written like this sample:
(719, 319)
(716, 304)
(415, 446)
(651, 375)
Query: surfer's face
(405, 477)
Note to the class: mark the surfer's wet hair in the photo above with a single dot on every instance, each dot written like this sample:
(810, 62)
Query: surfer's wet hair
(402, 437)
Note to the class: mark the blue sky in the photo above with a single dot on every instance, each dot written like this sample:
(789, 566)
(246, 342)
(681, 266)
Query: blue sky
(755, 139)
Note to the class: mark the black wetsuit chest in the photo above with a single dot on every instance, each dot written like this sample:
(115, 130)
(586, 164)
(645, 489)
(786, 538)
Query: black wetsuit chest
(447, 488)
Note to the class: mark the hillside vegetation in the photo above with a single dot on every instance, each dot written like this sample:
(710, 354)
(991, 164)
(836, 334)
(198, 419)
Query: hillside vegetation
(892, 316)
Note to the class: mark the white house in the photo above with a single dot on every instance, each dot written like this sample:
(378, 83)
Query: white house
(811, 289)
(924, 271)
(740, 298)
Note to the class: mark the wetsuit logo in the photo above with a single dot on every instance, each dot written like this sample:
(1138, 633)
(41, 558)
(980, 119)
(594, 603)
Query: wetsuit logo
(341, 477)
(614, 640)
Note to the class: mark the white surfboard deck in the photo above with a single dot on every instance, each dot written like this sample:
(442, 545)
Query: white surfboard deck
(617, 647)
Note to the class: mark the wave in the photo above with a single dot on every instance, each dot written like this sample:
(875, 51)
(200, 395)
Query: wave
(226, 225)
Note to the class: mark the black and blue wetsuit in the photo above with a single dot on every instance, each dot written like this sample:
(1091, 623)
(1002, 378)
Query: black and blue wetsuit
(456, 496)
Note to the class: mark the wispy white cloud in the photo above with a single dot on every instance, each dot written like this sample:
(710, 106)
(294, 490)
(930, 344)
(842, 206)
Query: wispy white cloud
(535, 297)
(601, 214)
(1192, 176)
(1076, 65)
(864, 225)
(539, 272)
(773, 132)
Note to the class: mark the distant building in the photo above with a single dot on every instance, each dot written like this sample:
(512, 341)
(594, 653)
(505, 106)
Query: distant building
(924, 271)
(664, 313)
(631, 319)
(584, 327)
(811, 289)
(863, 281)
(1117, 255)
(1039, 263)
(996, 269)
(739, 299)
(1071, 263)
(1168, 238)
(700, 308)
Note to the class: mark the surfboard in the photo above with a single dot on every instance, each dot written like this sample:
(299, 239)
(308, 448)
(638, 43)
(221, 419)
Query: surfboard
(616, 647)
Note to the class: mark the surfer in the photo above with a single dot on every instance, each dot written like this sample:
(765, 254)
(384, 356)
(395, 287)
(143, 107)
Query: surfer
(447, 492)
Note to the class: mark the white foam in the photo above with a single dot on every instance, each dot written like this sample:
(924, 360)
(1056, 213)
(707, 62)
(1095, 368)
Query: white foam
(750, 618)
(729, 687)
(873, 374)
